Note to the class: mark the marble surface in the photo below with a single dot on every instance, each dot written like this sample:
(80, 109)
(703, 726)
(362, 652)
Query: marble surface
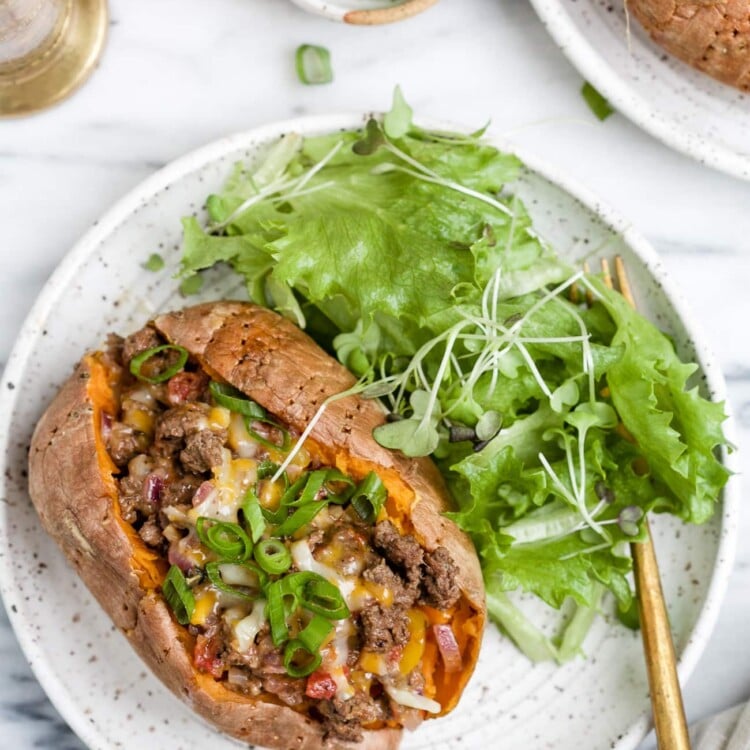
(179, 73)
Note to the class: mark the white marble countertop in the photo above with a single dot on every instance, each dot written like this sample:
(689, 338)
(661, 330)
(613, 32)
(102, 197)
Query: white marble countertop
(179, 73)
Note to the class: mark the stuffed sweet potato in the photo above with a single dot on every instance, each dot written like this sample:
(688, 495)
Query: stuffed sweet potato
(317, 601)
(711, 36)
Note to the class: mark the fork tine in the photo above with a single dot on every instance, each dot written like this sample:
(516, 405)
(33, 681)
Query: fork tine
(606, 273)
(623, 281)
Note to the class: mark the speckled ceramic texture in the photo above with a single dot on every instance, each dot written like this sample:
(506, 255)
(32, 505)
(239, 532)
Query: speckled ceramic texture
(89, 671)
(677, 104)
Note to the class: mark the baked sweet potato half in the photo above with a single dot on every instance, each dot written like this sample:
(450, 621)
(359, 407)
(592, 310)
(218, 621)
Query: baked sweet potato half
(713, 37)
(296, 595)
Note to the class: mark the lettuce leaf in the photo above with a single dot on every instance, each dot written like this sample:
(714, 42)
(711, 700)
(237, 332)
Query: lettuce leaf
(405, 253)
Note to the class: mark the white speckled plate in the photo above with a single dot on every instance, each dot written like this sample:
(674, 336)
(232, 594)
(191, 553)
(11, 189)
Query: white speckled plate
(680, 106)
(87, 668)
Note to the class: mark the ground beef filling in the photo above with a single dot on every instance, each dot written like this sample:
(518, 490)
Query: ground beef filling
(165, 447)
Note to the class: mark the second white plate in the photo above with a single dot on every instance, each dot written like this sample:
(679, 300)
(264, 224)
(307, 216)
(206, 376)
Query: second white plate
(680, 106)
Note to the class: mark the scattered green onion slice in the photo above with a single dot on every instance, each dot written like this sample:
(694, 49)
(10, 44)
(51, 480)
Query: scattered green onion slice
(313, 64)
(276, 611)
(597, 103)
(273, 556)
(234, 400)
(323, 598)
(227, 540)
(301, 517)
(315, 482)
(253, 515)
(213, 571)
(136, 364)
(154, 263)
(191, 285)
(267, 469)
(178, 595)
(310, 661)
(369, 497)
(315, 632)
(279, 515)
(285, 438)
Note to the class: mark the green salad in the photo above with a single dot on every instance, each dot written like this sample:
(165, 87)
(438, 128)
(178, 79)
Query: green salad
(557, 424)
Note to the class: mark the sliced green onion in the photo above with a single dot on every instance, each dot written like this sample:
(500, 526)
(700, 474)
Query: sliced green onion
(154, 263)
(369, 497)
(236, 401)
(309, 661)
(313, 64)
(277, 609)
(273, 556)
(213, 571)
(323, 598)
(136, 364)
(178, 595)
(285, 438)
(315, 632)
(597, 103)
(301, 517)
(279, 515)
(227, 540)
(191, 285)
(267, 469)
(253, 515)
(315, 482)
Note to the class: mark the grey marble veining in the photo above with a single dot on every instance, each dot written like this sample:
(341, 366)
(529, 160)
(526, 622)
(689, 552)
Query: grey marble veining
(179, 73)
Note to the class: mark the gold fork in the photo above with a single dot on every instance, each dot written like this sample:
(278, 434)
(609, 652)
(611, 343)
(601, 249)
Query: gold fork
(661, 665)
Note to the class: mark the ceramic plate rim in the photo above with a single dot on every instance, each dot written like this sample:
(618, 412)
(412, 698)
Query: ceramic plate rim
(53, 687)
(601, 75)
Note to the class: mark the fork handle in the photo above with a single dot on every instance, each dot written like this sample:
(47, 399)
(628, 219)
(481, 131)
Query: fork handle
(666, 697)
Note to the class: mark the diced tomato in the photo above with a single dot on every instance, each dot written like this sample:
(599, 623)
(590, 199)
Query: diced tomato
(185, 386)
(205, 656)
(320, 686)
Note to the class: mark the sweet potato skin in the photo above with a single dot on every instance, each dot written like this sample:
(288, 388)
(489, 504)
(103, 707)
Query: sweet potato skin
(713, 37)
(72, 486)
(75, 495)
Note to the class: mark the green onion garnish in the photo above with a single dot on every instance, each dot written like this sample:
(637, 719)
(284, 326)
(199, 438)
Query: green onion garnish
(369, 497)
(273, 556)
(267, 469)
(313, 64)
(227, 540)
(191, 285)
(154, 263)
(285, 438)
(323, 598)
(253, 515)
(251, 593)
(315, 482)
(301, 517)
(299, 661)
(597, 103)
(315, 632)
(234, 400)
(276, 612)
(136, 364)
(178, 595)
(279, 515)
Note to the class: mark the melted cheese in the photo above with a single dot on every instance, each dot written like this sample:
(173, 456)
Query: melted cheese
(231, 479)
(246, 629)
